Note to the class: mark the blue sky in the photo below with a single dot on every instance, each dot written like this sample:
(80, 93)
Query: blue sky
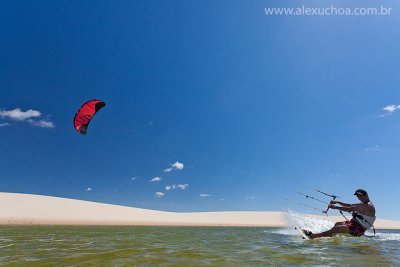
(242, 103)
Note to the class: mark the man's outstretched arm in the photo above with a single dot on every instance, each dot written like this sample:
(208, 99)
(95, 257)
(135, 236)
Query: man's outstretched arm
(349, 208)
(340, 203)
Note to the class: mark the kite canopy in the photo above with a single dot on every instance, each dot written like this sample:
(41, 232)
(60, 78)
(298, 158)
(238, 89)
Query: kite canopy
(85, 114)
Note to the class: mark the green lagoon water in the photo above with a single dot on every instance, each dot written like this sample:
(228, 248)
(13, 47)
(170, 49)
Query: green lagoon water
(189, 246)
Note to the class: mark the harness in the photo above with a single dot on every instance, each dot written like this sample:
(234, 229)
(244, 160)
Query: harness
(360, 217)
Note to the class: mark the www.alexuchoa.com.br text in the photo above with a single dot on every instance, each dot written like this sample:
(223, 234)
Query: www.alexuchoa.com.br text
(328, 11)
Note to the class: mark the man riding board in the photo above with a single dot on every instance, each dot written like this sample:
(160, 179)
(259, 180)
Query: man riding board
(363, 217)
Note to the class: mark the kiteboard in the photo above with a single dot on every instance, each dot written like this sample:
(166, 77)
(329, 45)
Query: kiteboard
(301, 232)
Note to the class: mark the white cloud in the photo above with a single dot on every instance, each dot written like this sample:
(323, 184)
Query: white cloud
(205, 195)
(182, 186)
(17, 114)
(89, 189)
(133, 178)
(156, 179)
(177, 186)
(159, 194)
(373, 149)
(4, 124)
(390, 109)
(176, 166)
(28, 116)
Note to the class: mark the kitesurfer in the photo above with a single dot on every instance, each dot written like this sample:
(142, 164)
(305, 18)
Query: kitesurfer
(363, 217)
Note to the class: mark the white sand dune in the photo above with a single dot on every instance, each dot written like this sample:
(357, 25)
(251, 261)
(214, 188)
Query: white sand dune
(29, 209)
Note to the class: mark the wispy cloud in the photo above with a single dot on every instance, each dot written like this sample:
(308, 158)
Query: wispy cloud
(389, 110)
(159, 194)
(88, 189)
(250, 197)
(176, 186)
(4, 124)
(205, 195)
(375, 148)
(42, 123)
(133, 178)
(29, 116)
(156, 179)
(176, 166)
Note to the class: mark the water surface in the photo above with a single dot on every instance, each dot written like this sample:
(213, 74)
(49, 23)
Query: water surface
(189, 246)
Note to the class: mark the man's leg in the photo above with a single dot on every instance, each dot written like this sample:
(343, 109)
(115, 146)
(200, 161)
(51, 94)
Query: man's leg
(340, 223)
(339, 228)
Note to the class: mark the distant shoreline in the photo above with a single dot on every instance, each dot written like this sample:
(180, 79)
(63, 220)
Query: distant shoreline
(28, 209)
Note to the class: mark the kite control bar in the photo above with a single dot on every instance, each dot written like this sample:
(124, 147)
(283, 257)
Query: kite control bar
(323, 193)
(329, 195)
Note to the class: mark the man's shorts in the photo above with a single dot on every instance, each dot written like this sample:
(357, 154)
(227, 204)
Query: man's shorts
(355, 229)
